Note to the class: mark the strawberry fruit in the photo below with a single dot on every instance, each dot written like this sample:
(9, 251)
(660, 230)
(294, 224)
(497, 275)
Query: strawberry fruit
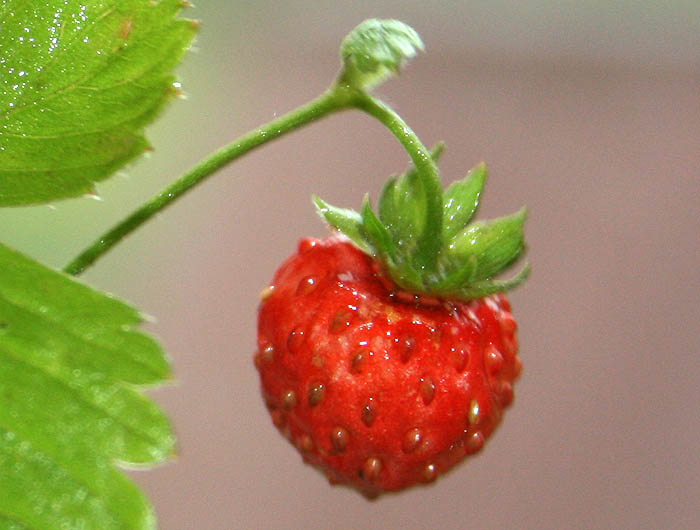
(388, 353)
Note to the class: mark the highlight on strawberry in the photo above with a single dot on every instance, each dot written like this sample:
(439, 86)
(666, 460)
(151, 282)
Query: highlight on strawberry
(387, 352)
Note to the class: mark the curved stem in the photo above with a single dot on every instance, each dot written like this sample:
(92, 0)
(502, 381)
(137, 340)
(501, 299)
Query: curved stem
(339, 97)
(399, 128)
(335, 99)
(427, 174)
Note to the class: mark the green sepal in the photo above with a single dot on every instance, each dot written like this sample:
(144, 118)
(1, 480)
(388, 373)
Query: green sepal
(376, 232)
(462, 200)
(468, 256)
(390, 211)
(412, 214)
(406, 277)
(494, 244)
(488, 287)
(375, 50)
(347, 221)
(454, 275)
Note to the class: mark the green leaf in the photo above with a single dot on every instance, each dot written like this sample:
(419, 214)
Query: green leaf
(349, 222)
(375, 50)
(72, 366)
(462, 200)
(79, 81)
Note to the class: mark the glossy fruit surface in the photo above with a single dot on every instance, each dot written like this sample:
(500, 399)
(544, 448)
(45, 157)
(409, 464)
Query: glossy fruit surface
(378, 388)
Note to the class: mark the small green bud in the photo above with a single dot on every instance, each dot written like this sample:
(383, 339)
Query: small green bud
(375, 50)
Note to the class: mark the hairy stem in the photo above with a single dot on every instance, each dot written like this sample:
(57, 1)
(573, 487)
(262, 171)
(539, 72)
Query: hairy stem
(339, 97)
(335, 99)
(427, 174)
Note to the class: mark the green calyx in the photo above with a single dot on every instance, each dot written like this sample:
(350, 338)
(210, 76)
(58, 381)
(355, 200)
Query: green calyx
(424, 238)
(421, 233)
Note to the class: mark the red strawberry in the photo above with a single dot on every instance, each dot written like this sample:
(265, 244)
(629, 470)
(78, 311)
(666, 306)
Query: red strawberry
(386, 365)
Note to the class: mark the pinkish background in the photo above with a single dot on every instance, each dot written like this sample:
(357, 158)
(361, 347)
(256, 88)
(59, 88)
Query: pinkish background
(587, 112)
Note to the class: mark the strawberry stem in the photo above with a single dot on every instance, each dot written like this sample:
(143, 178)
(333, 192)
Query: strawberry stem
(422, 235)
(427, 177)
(374, 51)
(333, 100)
(337, 98)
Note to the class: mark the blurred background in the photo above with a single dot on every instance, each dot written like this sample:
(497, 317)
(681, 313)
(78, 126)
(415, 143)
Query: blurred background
(586, 112)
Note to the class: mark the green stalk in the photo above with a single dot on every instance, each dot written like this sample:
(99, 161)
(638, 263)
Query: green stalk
(339, 97)
(372, 52)
(427, 174)
(336, 99)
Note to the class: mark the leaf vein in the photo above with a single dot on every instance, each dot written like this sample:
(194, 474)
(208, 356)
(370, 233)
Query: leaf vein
(89, 342)
(47, 67)
(61, 168)
(82, 132)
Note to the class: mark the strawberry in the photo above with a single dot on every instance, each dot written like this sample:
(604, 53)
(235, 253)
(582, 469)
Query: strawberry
(385, 358)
